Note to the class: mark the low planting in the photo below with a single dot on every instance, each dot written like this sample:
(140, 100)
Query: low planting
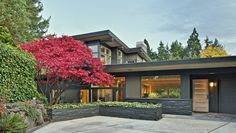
(128, 104)
(133, 110)
(21, 116)
(71, 106)
(104, 104)
(12, 123)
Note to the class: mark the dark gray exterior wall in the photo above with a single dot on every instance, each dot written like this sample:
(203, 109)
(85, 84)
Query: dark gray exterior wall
(133, 87)
(114, 56)
(123, 58)
(227, 95)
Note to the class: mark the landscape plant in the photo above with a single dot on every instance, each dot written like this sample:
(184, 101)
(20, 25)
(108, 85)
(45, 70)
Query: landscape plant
(63, 59)
(104, 104)
(17, 71)
(10, 122)
(31, 112)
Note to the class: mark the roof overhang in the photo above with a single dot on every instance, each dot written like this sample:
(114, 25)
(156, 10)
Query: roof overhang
(220, 62)
(105, 36)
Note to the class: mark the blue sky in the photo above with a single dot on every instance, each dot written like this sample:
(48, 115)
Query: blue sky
(155, 20)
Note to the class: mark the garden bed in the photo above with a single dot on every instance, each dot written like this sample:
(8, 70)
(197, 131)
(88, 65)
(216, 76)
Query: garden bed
(115, 109)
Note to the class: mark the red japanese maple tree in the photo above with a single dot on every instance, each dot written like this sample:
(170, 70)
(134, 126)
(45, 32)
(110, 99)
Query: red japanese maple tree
(64, 58)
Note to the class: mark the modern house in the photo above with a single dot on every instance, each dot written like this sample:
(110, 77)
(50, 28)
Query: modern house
(200, 85)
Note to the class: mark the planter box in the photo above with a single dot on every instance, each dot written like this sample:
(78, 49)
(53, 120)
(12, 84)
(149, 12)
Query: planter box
(131, 112)
(169, 105)
(123, 112)
(68, 114)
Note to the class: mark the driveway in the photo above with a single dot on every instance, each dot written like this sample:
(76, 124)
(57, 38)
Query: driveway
(198, 123)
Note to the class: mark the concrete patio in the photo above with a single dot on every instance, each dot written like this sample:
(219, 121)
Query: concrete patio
(197, 123)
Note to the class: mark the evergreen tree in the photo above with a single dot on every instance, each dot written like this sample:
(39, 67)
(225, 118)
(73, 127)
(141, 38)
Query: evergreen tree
(216, 43)
(152, 54)
(163, 52)
(23, 19)
(208, 42)
(193, 48)
(176, 51)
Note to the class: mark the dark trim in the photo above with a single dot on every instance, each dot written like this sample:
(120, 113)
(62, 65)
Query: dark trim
(100, 33)
(99, 36)
(218, 62)
(186, 61)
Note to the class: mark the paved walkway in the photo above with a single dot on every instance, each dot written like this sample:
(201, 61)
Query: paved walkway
(198, 123)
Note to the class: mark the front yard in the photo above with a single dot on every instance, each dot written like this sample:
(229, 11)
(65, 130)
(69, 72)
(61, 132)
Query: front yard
(169, 124)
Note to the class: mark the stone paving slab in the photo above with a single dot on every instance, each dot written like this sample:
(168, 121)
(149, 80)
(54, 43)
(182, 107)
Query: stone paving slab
(102, 124)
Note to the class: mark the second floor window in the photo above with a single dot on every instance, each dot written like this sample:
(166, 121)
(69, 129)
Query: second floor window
(119, 57)
(105, 55)
(94, 49)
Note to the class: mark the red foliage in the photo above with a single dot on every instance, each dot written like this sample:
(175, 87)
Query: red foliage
(67, 58)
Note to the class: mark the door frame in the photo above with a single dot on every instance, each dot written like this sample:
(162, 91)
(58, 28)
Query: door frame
(217, 87)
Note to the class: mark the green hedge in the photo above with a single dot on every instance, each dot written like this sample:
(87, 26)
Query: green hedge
(17, 74)
(104, 104)
(5, 36)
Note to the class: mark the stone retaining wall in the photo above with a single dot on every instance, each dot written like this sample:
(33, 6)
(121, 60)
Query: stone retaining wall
(134, 113)
(68, 114)
(169, 106)
(124, 112)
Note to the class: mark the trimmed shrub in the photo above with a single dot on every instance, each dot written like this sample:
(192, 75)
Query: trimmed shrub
(17, 74)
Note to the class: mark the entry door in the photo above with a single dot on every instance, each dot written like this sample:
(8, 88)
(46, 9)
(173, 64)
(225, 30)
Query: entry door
(200, 95)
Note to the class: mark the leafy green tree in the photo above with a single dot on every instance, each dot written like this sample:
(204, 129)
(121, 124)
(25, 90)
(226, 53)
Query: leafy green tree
(23, 19)
(212, 51)
(193, 48)
(17, 71)
(152, 54)
(163, 52)
(5, 36)
(176, 51)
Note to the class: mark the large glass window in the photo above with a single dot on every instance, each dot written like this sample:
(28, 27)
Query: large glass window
(119, 82)
(105, 55)
(84, 96)
(119, 57)
(94, 49)
(161, 86)
(105, 93)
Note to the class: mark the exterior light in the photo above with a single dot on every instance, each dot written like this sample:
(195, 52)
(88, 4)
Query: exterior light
(211, 84)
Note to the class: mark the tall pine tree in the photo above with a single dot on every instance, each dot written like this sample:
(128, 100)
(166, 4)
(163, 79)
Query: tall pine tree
(208, 42)
(217, 44)
(176, 51)
(194, 47)
(163, 52)
(152, 54)
(23, 19)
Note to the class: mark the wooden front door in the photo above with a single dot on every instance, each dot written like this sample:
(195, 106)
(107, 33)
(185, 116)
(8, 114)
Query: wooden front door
(200, 95)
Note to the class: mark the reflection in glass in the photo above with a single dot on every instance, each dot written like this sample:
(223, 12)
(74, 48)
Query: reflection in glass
(84, 96)
(161, 86)
(105, 93)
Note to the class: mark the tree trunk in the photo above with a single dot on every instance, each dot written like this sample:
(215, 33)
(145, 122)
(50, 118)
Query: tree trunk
(57, 96)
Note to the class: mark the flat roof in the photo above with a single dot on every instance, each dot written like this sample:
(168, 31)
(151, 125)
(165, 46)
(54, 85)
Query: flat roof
(202, 63)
